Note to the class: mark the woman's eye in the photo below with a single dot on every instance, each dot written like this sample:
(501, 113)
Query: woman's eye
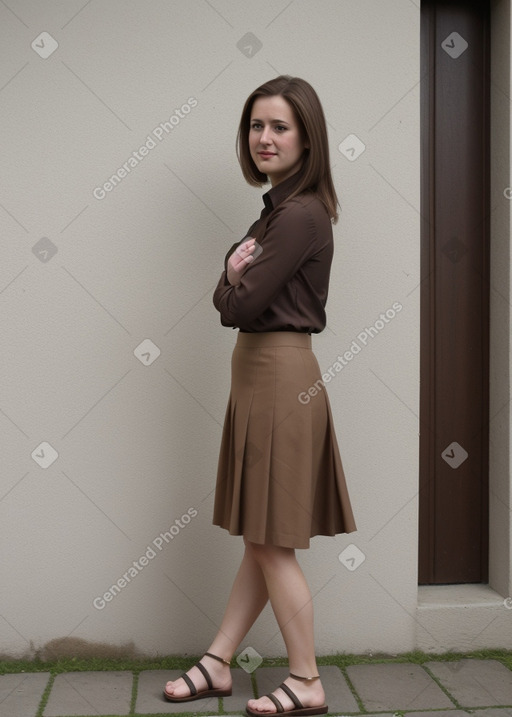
(257, 125)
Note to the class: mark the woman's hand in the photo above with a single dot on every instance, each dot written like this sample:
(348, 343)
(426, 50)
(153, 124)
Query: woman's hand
(240, 260)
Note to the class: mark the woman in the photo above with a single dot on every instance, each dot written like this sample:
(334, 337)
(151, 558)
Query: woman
(280, 479)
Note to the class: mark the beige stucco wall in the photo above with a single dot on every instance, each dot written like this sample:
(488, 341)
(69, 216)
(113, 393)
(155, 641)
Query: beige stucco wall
(88, 276)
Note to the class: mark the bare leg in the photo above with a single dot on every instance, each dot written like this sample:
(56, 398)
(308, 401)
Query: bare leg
(248, 598)
(291, 602)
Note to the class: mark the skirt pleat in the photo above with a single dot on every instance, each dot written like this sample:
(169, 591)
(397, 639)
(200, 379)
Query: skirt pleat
(280, 478)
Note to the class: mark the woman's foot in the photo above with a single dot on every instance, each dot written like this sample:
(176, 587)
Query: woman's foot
(310, 694)
(220, 675)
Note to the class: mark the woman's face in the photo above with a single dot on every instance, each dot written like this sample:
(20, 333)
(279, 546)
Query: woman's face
(275, 142)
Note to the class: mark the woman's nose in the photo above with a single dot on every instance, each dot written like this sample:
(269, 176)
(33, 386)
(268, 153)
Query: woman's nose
(265, 136)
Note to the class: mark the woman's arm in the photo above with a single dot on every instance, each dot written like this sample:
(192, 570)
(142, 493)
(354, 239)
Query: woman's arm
(291, 237)
(240, 259)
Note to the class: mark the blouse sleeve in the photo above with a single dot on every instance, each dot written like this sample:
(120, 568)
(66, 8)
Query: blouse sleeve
(290, 239)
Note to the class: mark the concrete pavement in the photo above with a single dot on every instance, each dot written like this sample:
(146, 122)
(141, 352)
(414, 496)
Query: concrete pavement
(443, 689)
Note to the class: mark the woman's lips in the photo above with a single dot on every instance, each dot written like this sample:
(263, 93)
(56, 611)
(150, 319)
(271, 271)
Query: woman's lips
(266, 155)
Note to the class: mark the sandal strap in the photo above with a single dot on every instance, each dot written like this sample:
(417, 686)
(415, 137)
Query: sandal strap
(190, 684)
(305, 679)
(220, 659)
(206, 675)
(278, 704)
(298, 704)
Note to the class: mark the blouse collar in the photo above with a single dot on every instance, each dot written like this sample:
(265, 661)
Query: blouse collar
(281, 191)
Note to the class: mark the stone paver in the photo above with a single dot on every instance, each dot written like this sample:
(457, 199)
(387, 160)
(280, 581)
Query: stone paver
(475, 683)
(482, 686)
(338, 694)
(438, 713)
(90, 693)
(21, 694)
(150, 699)
(268, 678)
(242, 691)
(400, 686)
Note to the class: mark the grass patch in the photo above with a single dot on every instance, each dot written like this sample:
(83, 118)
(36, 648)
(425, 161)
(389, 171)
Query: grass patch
(179, 662)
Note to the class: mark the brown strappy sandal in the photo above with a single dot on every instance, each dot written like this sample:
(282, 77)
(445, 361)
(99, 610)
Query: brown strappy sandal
(299, 707)
(194, 694)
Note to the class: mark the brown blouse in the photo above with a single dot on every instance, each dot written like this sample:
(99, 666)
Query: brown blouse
(285, 287)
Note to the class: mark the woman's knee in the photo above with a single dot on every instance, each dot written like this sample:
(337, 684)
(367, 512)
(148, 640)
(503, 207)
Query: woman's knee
(268, 555)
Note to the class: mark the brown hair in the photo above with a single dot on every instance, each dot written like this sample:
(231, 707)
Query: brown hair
(305, 104)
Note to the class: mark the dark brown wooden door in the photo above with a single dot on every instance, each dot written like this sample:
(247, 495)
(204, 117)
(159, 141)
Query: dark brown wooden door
(453, 536)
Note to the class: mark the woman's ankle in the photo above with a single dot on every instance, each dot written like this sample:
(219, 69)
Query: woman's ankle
(220, 655)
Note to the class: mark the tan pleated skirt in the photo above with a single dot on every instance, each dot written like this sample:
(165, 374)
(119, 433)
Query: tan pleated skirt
(280, 478)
